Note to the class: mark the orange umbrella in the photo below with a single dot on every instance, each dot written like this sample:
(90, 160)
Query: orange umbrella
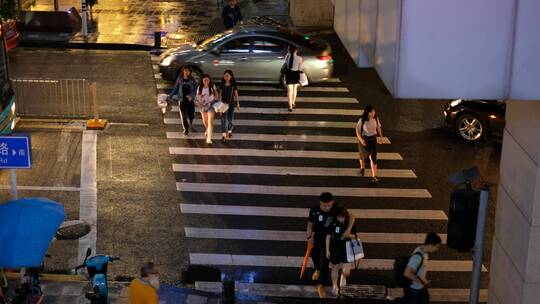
(306, 259)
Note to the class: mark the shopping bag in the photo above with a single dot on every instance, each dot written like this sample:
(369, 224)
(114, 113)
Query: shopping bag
(162, 100)
(220, 107)
(355, 250)
(303, 79)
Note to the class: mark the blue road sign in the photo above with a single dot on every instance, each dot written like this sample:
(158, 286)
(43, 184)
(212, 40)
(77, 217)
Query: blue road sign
(15, 152)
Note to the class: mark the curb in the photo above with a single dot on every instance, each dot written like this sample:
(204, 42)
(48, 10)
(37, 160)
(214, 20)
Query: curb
(51, 277)
(86, 46)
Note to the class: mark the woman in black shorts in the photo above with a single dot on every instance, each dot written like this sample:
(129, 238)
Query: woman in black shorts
(336, 250)
(367, 130)
(293, 68)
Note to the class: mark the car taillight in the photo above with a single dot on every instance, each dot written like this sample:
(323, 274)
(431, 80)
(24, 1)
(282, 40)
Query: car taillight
(325, 57)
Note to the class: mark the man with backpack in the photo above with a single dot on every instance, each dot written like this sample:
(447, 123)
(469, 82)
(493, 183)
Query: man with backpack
(411, 271)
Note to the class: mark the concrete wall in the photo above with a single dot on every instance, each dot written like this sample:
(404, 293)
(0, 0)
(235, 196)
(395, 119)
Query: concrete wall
(446, 49)
(515, 263)
(311, 12)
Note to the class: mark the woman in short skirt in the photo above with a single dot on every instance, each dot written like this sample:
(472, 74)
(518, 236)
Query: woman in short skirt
(336, 250)
(293, 68)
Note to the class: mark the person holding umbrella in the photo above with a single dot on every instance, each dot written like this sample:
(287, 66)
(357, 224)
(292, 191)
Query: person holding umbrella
(319, 222)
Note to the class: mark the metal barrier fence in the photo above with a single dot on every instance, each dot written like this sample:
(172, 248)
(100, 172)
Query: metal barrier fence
(59, 98)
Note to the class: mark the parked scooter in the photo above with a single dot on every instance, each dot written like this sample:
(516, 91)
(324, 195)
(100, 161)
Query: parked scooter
(96, 267)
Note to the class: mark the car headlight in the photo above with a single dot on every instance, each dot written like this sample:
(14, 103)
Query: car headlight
(167, 61)
(455, 102)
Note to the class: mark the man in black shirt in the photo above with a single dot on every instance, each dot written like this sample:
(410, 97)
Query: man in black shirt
(231, 14)
(319, 223)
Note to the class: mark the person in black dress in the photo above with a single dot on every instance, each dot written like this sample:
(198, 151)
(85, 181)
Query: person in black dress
(336, 250)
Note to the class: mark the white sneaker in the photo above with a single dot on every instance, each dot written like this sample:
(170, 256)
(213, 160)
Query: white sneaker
(335, 290)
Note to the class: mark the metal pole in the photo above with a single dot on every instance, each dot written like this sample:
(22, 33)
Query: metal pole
(13, 175)
(479, 246)
(55, 5)
(84, 19)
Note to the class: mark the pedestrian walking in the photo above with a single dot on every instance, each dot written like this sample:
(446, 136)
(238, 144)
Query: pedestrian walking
(417, 292)
(144, 290)
(293, 68)
(185, 91)
(336, 250)
(229, 95)
(367, 130)
(231, 14)
(318, 227)
(206, 96)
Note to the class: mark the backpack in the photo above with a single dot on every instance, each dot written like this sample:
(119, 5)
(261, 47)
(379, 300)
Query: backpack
(400, 264)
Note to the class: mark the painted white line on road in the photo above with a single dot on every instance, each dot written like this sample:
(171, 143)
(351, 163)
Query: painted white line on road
(333, 80)
(307, 191)
(88, 194)
(300, 99)
(277, 153)
(157, 76)
(367, 214)
(305, 89)
(300, 236)
(301, 111)
(42, 188)
(310, 291)
(296, 261)
(278, 137)
(155, 67)
(443, 294)
(275, 123)
(282, 170)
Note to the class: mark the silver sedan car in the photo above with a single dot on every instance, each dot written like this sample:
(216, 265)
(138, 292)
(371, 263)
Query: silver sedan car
(254, 53)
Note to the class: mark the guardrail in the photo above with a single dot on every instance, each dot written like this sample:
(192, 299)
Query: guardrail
(58, 98)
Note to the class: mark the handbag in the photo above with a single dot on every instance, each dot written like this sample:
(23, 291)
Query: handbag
(303, 79)
(355, 251)
(220, 107)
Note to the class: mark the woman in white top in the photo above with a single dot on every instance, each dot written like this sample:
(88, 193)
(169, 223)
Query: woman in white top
(367, 129)
(293, 68)
(206, 96)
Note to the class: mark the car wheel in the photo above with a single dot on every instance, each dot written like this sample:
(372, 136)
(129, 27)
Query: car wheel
(470, 128)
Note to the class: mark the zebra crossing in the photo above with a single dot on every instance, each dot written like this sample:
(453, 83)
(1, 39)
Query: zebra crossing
(245, 202)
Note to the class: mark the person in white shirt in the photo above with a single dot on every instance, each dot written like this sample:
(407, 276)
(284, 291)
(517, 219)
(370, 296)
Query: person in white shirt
(207, 95)
(367, 130)
(293, 68)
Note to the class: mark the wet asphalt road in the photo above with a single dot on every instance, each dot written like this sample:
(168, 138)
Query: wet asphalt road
(138, 214)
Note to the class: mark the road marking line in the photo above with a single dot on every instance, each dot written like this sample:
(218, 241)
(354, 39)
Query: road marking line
(155, 67)
(88, 194)
(300, 99)
(277, 153)
(297, 111)
(278, 137)
(369, 214)
(42, 188)
(308, 191)
(443, 294)
(283, 170)
(333, 80)
(310, 291)
(157, 76)
(305, 89)
(300, 236)
(296, 261)
(164, 86)
(275, 123)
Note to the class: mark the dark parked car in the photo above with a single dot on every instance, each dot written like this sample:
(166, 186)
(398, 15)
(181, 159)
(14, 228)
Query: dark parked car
(475, 120)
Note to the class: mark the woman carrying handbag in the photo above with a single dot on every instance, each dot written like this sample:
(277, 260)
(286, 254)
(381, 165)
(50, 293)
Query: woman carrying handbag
(229, 94)
(206, 96)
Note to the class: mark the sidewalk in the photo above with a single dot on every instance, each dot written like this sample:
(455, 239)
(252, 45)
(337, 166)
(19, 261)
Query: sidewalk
(136, 21)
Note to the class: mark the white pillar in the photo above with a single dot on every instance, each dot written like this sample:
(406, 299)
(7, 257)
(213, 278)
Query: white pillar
(515, 261)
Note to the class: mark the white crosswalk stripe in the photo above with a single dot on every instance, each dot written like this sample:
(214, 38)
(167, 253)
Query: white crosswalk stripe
(277, 137)
(300, 99)
(366, 214)
(274, 123)
(297, 111)
(307, 191)
(300, 236)
(277, 170)
(305, 89)
(278, 153)
(296, 261)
